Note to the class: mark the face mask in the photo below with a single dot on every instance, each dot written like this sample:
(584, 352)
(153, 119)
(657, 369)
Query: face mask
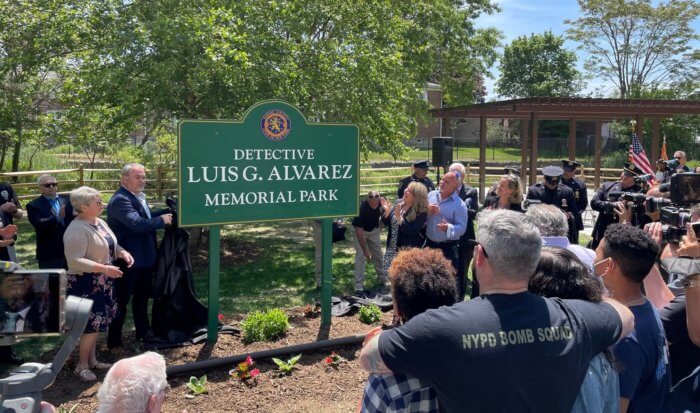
(598, 264)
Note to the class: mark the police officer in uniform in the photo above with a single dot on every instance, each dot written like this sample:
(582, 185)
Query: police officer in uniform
(553, 192)
(602, 203)
(580, 194)
(420, 172)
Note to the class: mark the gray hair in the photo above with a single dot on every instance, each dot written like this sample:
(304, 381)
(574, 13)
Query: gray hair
(79, 197)
(126, 170)
(695, 210)
(512, 242)
(550, 220)
(458, 167)
(43, 177)
(131, 382)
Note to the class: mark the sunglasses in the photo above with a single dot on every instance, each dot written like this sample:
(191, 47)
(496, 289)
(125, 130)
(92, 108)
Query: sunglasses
(373, 196)
(50, 184)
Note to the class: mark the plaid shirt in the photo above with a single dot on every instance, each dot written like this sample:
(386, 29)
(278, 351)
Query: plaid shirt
(398, 393)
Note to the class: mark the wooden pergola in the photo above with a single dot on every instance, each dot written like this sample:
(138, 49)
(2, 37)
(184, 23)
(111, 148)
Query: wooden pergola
(531, 110)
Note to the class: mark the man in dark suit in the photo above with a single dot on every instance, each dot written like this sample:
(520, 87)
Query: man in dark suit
(23, 311)
(135, 225)
(50, 214)
(465, 251)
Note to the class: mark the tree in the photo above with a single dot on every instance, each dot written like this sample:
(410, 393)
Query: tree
(35, 39)
(364, 62)
(634, 44)
(538, 66)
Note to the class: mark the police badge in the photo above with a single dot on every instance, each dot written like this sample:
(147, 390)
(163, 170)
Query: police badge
(275, 125)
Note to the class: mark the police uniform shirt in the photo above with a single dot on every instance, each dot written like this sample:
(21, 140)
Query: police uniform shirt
(554, 196)
(7, 194)
(580, 193)
(403, 184)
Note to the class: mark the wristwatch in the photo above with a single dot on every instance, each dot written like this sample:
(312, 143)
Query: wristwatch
(690, 281)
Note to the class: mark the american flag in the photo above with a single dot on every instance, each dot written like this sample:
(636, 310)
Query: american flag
(638, 157)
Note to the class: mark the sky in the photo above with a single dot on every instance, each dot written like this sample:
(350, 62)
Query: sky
(525, 17)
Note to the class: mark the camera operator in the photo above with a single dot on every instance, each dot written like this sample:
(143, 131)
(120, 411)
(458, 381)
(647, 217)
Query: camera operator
(608, 207)
(681, 323)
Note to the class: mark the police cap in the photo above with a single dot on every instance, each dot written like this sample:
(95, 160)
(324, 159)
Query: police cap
(552, 171)
(420, 164)
(569, 165)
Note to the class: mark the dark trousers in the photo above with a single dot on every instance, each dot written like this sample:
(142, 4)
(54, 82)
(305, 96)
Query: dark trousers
(136, 282)
(573, 230)
(450, 251)
(465, 252)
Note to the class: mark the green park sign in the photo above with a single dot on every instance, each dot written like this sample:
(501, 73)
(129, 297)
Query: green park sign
(272, 165)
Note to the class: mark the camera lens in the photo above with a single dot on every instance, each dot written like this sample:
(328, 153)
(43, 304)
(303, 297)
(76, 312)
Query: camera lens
(672, 234)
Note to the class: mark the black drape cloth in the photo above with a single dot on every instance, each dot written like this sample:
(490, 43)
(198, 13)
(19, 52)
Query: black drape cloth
(177, 314)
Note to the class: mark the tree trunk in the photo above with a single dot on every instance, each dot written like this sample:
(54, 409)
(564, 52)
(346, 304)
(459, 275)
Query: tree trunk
(15, 154)
(3, 152)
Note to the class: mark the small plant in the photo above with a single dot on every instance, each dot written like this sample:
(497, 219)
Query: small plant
(310, 311)
(286, 367)
(64, 409)
(244, 370)
(198, 386)
(264, 326)
(370, 314)
(334, 360)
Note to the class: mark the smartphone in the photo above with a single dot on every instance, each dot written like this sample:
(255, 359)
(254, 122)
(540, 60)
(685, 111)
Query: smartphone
(32, 302)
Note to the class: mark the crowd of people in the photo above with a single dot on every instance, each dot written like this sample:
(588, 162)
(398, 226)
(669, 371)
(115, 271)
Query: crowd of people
(550, 326)
(110, 262)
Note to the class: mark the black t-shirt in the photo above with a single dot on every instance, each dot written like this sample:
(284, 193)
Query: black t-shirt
(685, 356)
(503, 353)
(368, 218)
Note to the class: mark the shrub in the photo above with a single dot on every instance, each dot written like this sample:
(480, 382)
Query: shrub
(264, 326)
(370, 314)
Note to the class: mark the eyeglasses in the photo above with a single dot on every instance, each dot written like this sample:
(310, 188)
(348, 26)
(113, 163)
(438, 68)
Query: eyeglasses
(373, 196)
(50, 184)
(678, 157)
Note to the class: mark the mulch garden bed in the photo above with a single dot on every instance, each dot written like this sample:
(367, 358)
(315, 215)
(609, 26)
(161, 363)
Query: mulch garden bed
(312, 387)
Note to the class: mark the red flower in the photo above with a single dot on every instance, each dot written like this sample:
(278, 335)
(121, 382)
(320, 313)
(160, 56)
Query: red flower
(328, 360)
(254, 373)
(249, 361)
(221, 317)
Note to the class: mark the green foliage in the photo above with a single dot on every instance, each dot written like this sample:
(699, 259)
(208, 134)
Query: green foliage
(615, 159)
(65, 409)
(538, 66)
(286, 367)
(197, 386)
(370, 314)
(363, 62)
(635, 43)
(264, 326)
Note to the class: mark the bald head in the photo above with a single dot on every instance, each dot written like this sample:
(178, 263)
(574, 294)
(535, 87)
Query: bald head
(449, 184)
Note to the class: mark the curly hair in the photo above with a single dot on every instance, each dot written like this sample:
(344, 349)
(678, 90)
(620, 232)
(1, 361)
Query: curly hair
(421, 279)
(632, 249)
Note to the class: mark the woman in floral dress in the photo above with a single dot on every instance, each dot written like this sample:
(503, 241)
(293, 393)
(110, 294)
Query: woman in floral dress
(90, 248)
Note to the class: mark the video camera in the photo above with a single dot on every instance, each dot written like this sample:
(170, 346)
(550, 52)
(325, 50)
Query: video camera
(643, 179)
(669, 165)
(684, 191)
(634, 200)
(34, 303)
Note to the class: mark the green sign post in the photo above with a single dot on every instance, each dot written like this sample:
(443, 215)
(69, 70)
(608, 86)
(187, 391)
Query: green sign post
(271, 166)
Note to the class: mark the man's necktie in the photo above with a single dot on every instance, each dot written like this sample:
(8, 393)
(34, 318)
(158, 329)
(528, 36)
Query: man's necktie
(11, 322)
(142, 199)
